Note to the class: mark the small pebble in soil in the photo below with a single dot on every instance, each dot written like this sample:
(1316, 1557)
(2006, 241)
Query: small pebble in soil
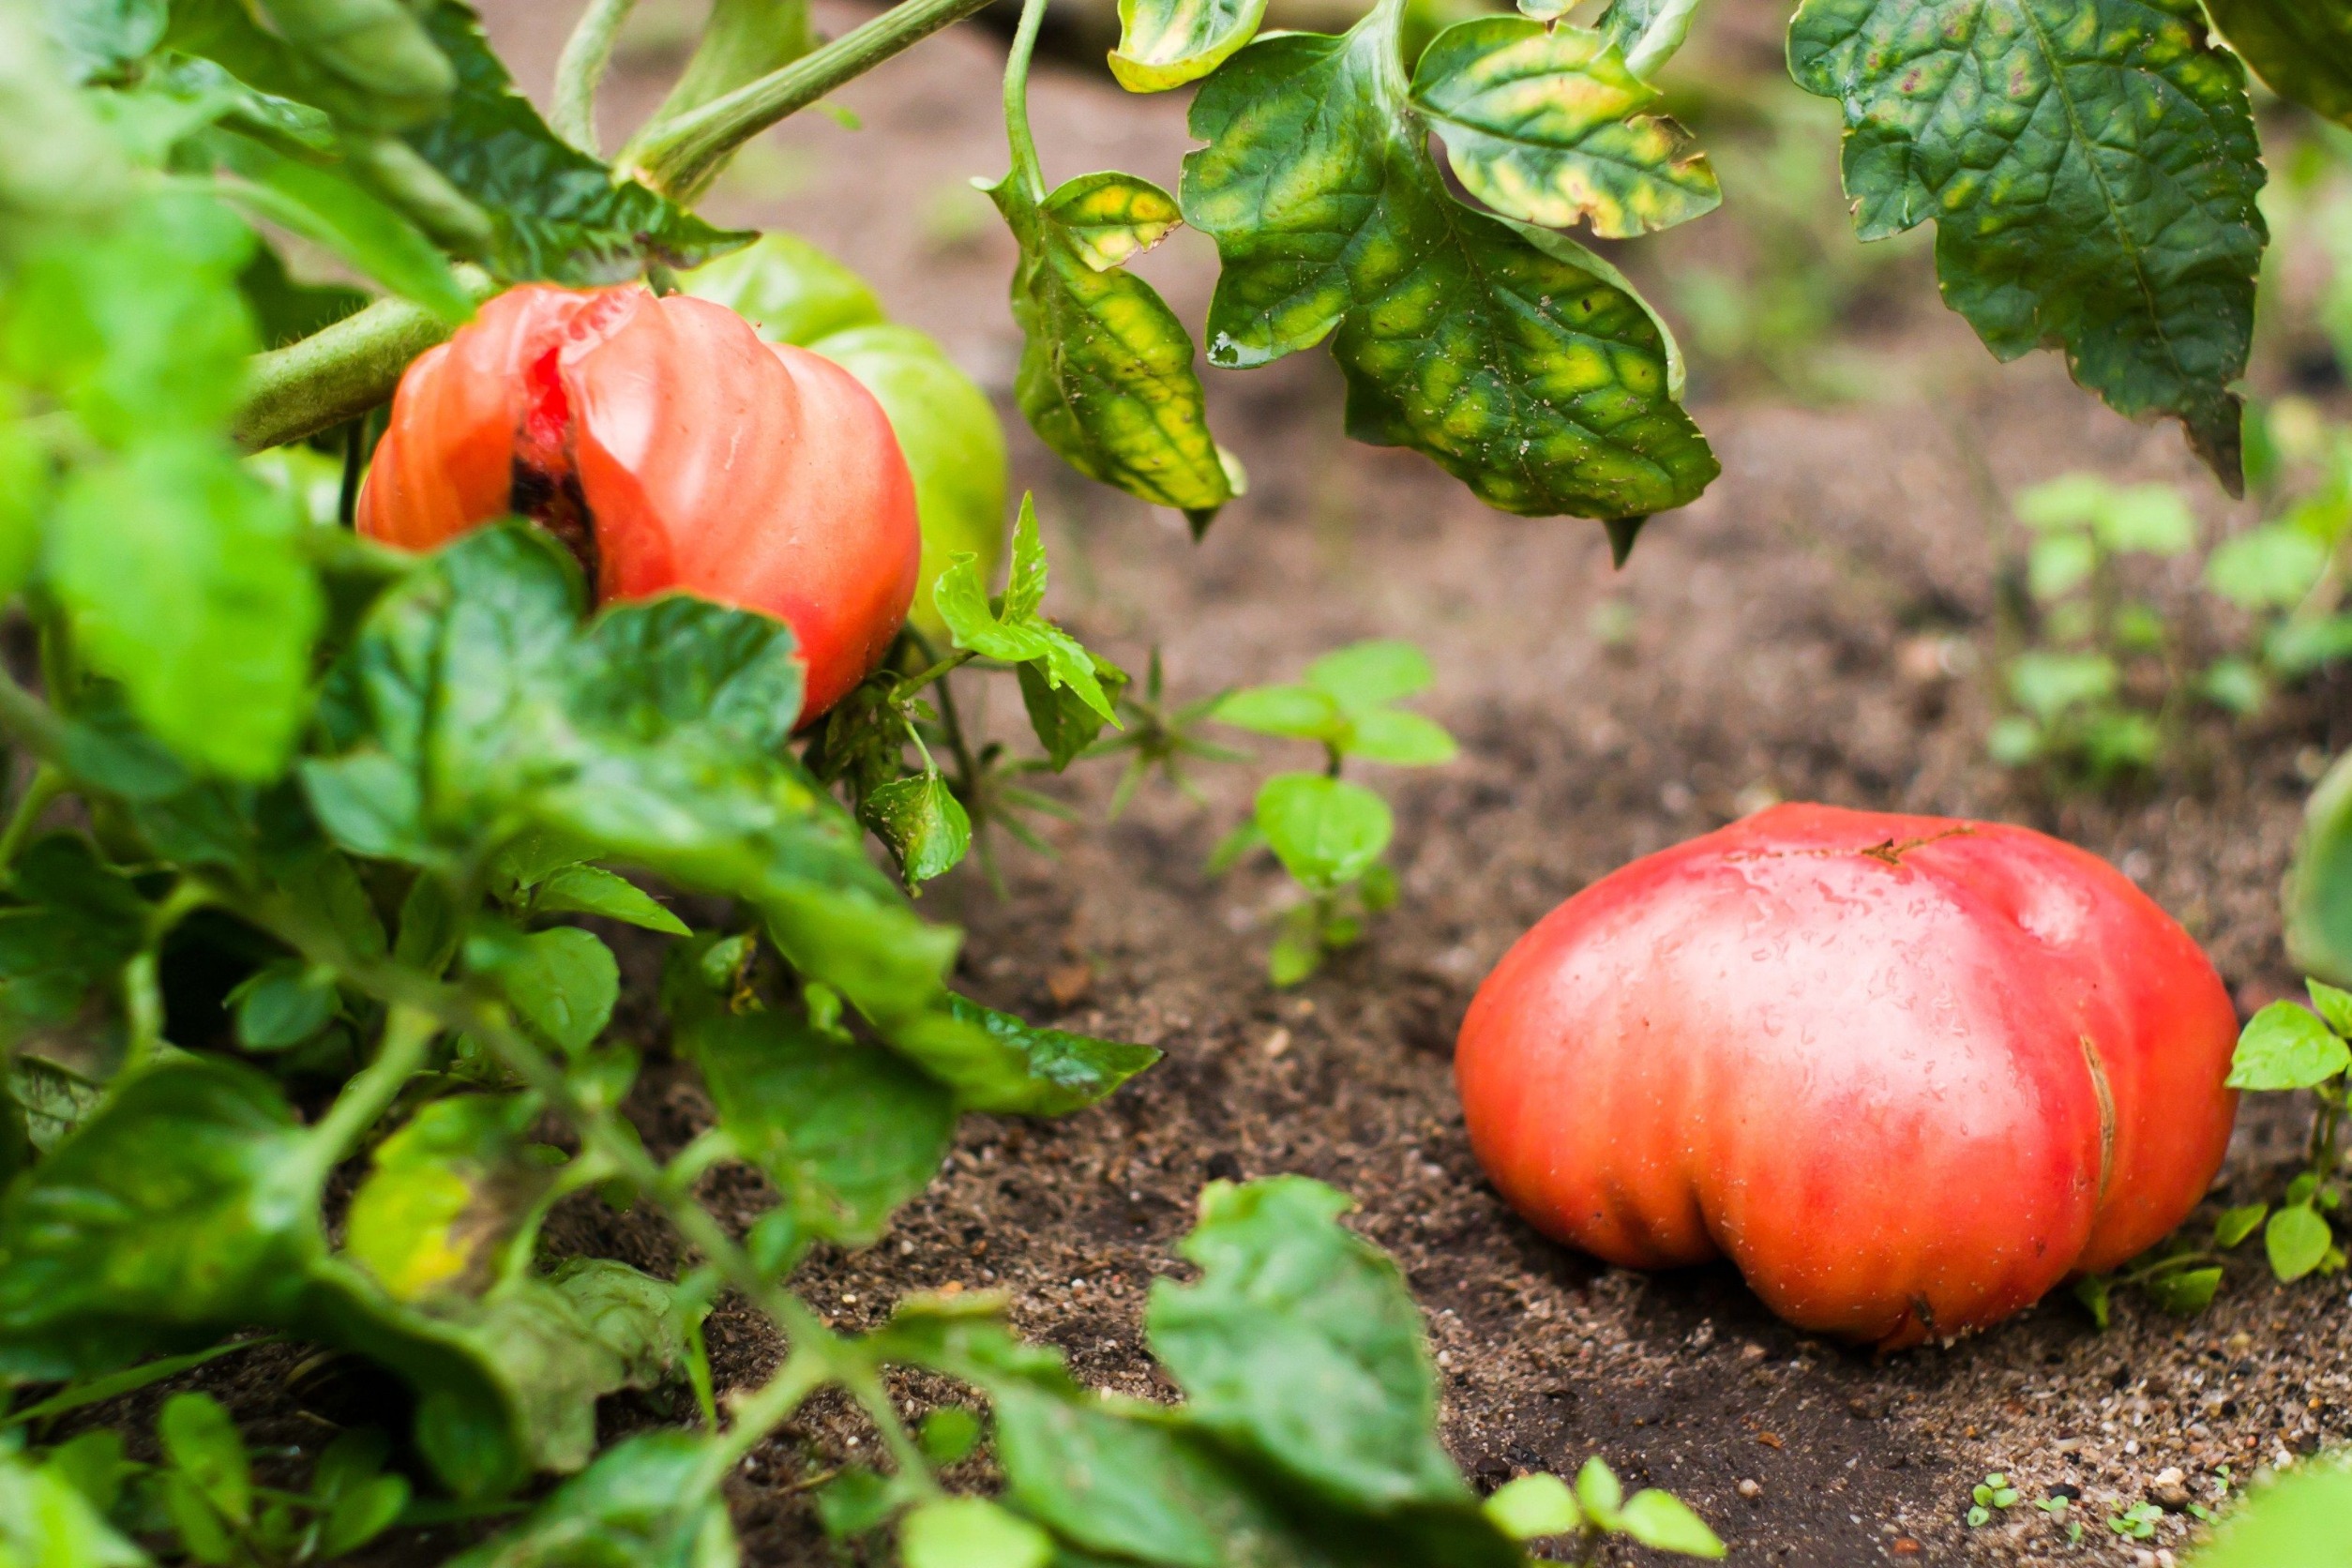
(1749, 1489)
(1276, 1043)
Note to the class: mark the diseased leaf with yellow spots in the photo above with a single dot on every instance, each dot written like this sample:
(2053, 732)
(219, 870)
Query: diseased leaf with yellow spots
(1547, 125)
(1106, 375)
(1522, 363)
(1111, 216)
(2302, 48)
(447, 1195)
(2091, 167)
(1166, 43)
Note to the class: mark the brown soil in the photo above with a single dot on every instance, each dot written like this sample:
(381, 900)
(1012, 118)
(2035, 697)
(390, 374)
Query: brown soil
(1816, 627)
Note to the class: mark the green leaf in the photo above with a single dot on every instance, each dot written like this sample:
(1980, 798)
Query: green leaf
(2057, 563)
(202, 1444)
(2297, 1241)
(1166, 43)
(2295, 1521)
(2047, 684)
(653, 667)
(1547, 125)
(2096, 1293)
(846, 1132)
(2287, 1046)
(650, 1501)
(1534, 1506)
(2238, 1224)
(637, 1317)
(1648, 31)
(949, 1434)
(1106, 376)
(1065, 721)
(555, 212)
(1664, 1522)
(1367, 676)
(325, 205)
(374, 47)
(2270, 567)
(46, 1523)
(2302, 48)
(563, 982)
(2091, 169)
(593, 890)
(970, 1532)
(1299, 1343)
(1401, 739)
(1064, 1072)
(2186, 1294)
(2333, 1005)
(102, 38)
(1016, 634)
(1300, 712)
(1520, 361)
(79, 922)
(920, 819)
(283, 1005)
(1326, 832)
(186, 582)
(446, 1198)
(360, 1515)
(1113, 218)
(1599, 1493)
(187, 1205)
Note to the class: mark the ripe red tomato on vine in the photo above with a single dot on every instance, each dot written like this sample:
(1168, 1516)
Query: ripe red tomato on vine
(670, 449)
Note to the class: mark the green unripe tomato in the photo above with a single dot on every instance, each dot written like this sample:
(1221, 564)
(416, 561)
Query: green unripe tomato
(793, 293)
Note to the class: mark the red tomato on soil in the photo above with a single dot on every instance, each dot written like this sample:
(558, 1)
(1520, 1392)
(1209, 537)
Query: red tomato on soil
(1908, 1073)
(668, 449)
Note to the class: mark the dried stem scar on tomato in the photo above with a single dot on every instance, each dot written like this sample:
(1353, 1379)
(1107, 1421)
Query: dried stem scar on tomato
(1906, 1072)
(671, 449)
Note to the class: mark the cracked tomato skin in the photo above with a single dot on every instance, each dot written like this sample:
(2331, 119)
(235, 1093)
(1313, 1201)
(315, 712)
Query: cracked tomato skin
(1906, 1072)
(671, 450)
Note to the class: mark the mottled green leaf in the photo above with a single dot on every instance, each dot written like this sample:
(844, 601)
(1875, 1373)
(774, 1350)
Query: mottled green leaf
(1106, 375)
(2302, 48)
(2091, 166)
(445, 1197)
(920, 819)
(1111, 218)
(1301, 1341)
(1546, 124)
(555, 212)
(1166, 43)
(1522, 363)
(632, 1313)
(1648, 32)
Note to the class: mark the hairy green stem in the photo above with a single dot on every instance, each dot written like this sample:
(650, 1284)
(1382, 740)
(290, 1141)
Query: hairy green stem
(581, 67)
(341, 371)
(43, 787)
(743, 41)
(408, 1034)
(678, 158)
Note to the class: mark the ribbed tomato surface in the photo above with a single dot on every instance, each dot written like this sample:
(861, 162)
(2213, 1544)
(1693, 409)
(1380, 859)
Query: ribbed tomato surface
(671, 449)
(1908, 1073)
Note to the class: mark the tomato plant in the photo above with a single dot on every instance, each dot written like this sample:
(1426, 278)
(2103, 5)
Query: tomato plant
(1708, 1052)
(381, 789)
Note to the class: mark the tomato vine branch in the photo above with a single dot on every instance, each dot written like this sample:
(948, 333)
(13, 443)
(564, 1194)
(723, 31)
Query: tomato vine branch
(679, 157)
(341, 371)
(581, 68)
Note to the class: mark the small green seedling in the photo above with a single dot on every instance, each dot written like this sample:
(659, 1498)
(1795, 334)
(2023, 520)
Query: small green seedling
(2067, 689)
(2286, 1046)
(2137, 1522)
(2060, 1510)
(1596, 1510)
(1330, 832)
(1993, 1492)
(2289, 575)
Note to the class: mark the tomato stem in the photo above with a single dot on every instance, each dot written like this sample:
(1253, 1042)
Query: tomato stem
(1016, 132)
(678, 155)
(581, 69)
(341, 371)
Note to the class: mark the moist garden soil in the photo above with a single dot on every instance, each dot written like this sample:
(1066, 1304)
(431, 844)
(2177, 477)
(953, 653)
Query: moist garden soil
(1820, 625)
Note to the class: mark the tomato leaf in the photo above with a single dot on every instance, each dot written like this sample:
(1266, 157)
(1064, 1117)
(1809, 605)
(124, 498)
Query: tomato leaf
(1015, 633)
(1522, 363)
(1547, 125)
(2092, 174)
(1300, 1342)
(1066, 1072)
(444, 1196)
(2297, 1240)
(593, 890)
(2298, 1518)
(555, 212)
(561, 982)
(970, 1532)
(2302, 48)
(2287, 1046)
(1106, 376)
(1326, 832)
(920, 819)
(369, 63)
(846, 1132)
(1166, 43)
(1534, 1506)
(651, 1500)
(45, 1519)
(1647, 31)
(80, 922)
